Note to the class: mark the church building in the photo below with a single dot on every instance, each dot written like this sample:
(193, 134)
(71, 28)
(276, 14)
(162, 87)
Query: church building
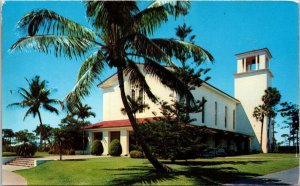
(230, 117)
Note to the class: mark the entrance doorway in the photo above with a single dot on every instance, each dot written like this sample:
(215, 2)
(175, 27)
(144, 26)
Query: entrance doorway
(114, 135)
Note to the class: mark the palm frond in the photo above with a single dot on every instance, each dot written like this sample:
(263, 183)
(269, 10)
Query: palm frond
(50, 108)
(136, 77)
(149, 19)
(175, 8)
(169, 79)
(49, 22)
(103, 14)
(68, 46)
(88, 73)
(174, 47)
(145, 46)
(29, 111)
(20, 104)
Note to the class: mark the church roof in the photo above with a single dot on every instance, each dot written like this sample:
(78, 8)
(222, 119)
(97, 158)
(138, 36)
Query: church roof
(117, 123)
(111, 79)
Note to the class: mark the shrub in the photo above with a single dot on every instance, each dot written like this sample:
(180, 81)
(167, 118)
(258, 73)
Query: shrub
(136, 154)
(115, 148)
(26, 149)
(287, 149)
(97, 148)
(70, 152)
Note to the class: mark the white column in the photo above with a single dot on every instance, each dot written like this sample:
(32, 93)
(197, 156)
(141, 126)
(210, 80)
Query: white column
(105, 141)
(256, 62)
(90, 140)
(124, 140)
(244, 62)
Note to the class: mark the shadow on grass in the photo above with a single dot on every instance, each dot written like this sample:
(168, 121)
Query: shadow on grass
(211, 163)
(198, 175)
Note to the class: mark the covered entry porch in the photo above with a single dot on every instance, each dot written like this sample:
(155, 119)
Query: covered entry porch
(106, 131)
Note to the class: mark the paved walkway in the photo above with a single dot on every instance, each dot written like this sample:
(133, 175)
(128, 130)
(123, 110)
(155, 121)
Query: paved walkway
(11, 178)
(286, 177)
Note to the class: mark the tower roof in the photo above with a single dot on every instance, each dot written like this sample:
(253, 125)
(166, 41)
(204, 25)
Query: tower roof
(252, 52)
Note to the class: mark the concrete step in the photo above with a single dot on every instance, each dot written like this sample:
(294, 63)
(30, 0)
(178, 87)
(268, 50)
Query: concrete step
(24, 162)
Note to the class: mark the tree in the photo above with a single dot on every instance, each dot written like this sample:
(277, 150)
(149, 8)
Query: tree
(24, 136)
(290, 112)
(119, 36)
(35, 98)
(267, 110)
(73, 131)
(44, 131)
(7, 135)
(82, 112)
(60, 139)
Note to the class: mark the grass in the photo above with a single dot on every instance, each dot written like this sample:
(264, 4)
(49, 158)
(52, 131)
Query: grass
(126, 171)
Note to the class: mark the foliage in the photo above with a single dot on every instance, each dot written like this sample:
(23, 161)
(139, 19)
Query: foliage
(135, 105)
(119, 37)
(268, 109)
(136, 154)
(44, 131)
(7, 135)
(287, 149)
(25, 136)
(96, 147)
(175, 141)
(61, 143)
(27, 149)
(35, 98)
(290, 112)
(73, 132)
(115, 148)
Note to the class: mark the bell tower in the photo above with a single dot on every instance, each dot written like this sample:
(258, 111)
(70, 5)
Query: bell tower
(253, 77)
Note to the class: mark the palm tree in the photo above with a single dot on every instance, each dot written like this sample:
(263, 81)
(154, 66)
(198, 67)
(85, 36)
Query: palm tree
(118, 39)
(259, 115)
(268, 109)
(35, 98)
(45, 133)
(82, 112)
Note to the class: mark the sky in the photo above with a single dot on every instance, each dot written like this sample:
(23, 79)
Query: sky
(222, 28)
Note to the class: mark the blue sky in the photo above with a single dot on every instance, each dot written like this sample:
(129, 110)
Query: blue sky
(223, 28)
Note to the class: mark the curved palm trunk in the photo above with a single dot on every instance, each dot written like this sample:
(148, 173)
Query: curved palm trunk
(158, 166)
(41, 123)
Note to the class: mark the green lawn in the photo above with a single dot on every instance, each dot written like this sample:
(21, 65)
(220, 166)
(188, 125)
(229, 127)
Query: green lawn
(126, 171)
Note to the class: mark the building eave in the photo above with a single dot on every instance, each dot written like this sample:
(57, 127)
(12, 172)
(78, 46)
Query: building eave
(250, 53)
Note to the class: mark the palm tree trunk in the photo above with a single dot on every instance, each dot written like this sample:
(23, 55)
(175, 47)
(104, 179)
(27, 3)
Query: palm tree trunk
(41, 124)
(83, 136)
(261, 132)
(158, 166)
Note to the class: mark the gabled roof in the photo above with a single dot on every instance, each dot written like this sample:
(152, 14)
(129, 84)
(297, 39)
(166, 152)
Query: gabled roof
(111, 79)
(117, 123)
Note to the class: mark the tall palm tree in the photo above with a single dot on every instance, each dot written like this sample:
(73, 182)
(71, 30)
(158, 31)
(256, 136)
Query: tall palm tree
(267, 110)
(118, 39)
(82, 112)
(36, 98)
